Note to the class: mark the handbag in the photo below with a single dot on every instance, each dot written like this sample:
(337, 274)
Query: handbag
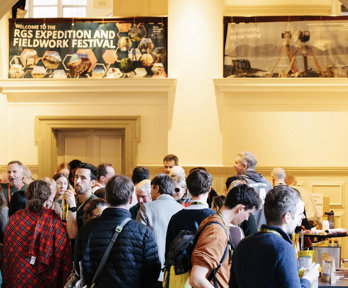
(74, 280)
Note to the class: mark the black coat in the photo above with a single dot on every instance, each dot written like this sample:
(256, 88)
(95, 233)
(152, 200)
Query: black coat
(133, 260)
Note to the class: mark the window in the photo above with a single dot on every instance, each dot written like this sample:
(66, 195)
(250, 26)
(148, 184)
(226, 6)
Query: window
(56, 8)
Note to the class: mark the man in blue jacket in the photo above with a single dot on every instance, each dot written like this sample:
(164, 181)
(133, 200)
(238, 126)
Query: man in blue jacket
(267, 258)
(133, 260)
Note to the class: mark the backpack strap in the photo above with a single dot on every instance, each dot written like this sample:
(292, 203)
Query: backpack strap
(212, 274)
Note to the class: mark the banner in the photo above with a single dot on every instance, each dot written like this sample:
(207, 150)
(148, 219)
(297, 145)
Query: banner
(314, 48)
(66, 48)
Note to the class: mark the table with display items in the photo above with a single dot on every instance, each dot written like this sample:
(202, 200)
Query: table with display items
(339, 283)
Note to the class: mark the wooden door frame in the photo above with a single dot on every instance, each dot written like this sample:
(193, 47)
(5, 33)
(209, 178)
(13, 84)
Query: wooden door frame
(45, 138)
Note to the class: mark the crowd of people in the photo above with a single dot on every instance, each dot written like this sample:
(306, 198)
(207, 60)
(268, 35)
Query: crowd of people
(59, 227)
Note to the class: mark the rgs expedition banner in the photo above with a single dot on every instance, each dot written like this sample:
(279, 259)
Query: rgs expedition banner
(67, 48)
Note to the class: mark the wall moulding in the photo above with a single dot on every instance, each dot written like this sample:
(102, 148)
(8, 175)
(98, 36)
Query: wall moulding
(271, 7)
(278, 94)
(229, 170)
(307, 174)
(332, 190)
(266, 171)
(91, 91)
(18, 90)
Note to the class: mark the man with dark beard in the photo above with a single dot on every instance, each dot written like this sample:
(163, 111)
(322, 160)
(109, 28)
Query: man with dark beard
(84, 180)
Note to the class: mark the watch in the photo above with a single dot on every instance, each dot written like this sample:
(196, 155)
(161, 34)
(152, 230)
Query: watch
(72, 209)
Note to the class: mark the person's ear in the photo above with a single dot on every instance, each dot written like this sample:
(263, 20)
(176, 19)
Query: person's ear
(239, 208)
(287, 217)
(156, 188)
(131, 199)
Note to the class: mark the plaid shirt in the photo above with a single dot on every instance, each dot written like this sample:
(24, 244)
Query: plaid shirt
(36, 250)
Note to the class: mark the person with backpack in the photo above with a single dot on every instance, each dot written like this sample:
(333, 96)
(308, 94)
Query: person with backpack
(211, 256)
(182, 228)
(199, 184)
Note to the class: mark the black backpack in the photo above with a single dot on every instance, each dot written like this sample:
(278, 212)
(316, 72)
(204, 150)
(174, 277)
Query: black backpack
(180, 251)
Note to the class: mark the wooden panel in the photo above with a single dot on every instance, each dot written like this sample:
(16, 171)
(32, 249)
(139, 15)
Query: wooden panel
(111, 151)
(333, 191)
(75, 147)
(92, 146)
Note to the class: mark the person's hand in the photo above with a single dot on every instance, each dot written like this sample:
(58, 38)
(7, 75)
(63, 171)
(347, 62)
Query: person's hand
(312, 272)
(70, 198)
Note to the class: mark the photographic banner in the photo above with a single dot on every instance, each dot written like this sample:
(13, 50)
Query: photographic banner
(311, 48)
(70, 48)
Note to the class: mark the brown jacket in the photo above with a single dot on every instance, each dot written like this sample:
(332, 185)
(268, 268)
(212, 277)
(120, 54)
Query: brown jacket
(210, 248)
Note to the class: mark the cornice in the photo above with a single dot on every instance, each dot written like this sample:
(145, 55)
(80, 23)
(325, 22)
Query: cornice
(20, 87)
(234, 85)
(283, 94)
(306, 8)
(265, 170)
(229, 170)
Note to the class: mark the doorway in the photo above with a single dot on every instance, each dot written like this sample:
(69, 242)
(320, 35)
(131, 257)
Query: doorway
(58, 139)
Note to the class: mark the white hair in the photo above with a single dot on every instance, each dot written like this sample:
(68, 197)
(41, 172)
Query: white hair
(248, 159)
(278, 174)
(180, 181)
(177, 171)
(144, 186)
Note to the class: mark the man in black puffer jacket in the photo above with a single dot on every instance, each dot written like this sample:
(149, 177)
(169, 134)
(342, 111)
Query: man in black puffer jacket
(133, 260)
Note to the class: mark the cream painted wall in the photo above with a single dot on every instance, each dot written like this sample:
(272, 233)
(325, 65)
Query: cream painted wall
(195, 47)
(287, 138)
(151, 107)
(99, 8)
(131, 8)
(4, 45)
(283, 7)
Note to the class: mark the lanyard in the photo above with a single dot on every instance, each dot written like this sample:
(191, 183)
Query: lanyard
(9, 191)
(223, 219)
(197, 203)
(84, 202)
(265, 230)
(230, 249)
